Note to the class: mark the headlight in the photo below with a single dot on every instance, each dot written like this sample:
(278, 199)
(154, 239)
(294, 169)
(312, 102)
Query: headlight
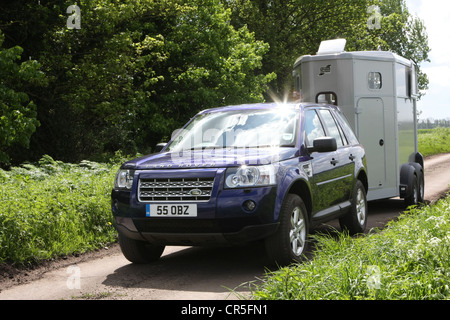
(124, 179)
(250, 176)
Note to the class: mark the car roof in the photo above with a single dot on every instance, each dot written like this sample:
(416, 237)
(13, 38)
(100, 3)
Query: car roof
(269, 105)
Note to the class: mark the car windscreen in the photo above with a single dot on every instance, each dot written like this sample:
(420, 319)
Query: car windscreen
(249, 128)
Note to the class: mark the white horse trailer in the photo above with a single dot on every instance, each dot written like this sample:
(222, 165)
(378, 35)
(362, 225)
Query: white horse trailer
(377, 92)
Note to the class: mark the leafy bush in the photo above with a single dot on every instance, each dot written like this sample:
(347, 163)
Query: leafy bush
(17, 112)
(53, 209)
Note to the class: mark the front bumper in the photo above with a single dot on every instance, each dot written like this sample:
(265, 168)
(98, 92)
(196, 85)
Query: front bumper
(208, 236)
(223, 219)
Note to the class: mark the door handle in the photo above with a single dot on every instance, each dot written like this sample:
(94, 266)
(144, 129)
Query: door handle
(352, 157)
(334, 161)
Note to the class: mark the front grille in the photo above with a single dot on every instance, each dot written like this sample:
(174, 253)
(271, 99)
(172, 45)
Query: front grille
(175, 189)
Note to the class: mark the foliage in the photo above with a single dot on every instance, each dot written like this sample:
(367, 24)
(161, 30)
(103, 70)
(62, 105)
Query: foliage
(53, 209)
(409, 260)
(138, 69)
(17, 112)
(298, 26)
(434, 141)
(430, 124)
(134, 71)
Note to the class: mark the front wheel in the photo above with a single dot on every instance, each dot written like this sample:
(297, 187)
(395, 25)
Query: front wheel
(289, 243)
(355, 220)
(139, 251)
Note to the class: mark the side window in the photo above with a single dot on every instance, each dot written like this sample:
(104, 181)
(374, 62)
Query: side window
(341, 131)
(349, 133)
(332, 127)
(313, 127)
(375, 81)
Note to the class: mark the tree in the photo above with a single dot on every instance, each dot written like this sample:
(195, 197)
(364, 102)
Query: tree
(296, 27)
(17, 112)
(138, 69)
(133, 72)
(210, 63)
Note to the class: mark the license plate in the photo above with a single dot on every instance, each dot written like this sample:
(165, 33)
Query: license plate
(171, 210)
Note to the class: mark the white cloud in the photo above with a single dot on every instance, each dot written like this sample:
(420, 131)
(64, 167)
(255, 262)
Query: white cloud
(436, 15)
(439, 75)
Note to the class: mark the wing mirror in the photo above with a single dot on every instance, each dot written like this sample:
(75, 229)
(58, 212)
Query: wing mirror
(323, 144)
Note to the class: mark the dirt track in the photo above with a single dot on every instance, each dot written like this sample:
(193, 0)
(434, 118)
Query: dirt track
(183, 272)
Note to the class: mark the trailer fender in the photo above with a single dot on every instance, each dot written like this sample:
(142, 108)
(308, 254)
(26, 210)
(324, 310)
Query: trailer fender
(407, 173)
(419, 159)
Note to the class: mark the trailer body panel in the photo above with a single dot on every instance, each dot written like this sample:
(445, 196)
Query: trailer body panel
(377, 92)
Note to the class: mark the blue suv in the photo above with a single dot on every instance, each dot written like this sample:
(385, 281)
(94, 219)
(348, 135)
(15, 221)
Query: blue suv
(242, 173)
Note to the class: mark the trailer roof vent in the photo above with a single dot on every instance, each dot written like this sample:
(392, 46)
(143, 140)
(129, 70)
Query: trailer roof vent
(332, 46)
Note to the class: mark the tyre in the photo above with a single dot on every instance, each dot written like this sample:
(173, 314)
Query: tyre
(289, 243)
(355, 220)
(421, 187)
(139, 251)
(420, 181)
(413, 197)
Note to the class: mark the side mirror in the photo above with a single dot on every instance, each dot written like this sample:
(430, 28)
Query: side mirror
(324, 144)
(160, 146)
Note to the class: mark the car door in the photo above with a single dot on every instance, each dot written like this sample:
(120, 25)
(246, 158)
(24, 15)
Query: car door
(343, 160)
(323, 167)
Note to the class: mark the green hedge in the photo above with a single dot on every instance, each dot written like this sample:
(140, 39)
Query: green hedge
(434, 141)
(54, 209)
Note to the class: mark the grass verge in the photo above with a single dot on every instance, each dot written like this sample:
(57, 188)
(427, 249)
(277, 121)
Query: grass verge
(54, 209)
(434, 141)
(409, 260)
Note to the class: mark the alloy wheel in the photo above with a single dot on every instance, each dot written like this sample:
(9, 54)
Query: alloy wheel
(297, 234)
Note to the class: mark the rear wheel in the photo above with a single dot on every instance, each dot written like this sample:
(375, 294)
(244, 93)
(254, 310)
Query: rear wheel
(421, 187)
(139, 251)
(356, 220)
(289, 243)
(413, 197)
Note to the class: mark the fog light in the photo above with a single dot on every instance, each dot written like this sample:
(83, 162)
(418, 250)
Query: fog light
(249, 205)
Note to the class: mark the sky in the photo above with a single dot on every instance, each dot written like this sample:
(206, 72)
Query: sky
(436, 15)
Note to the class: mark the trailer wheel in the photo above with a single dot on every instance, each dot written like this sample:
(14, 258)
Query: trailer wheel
(413, 197)
(422, 188)
(413, 182)
(355, 220)
(420, 176)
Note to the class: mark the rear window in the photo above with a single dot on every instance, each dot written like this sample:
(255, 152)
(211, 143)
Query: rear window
(313, 127)
(349, 133)
(332, 126)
